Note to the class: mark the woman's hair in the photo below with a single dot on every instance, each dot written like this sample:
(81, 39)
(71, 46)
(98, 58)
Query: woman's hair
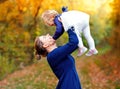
(39, 49)
(46, 16)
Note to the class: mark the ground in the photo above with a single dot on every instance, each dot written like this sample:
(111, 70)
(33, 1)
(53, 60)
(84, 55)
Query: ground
(95, 72)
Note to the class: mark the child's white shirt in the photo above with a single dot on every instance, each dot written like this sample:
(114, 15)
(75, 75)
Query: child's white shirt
(72, 18)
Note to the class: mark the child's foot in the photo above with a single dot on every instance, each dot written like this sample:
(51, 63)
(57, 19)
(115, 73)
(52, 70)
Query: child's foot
(91, 52)
(82, 51)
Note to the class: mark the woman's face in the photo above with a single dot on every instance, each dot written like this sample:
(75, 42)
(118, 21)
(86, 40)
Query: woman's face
(47, 40)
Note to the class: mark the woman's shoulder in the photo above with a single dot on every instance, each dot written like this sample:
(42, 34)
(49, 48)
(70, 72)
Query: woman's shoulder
(52, 54)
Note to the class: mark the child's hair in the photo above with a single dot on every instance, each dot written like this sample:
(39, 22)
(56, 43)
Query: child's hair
(48, 14)
(40, 50)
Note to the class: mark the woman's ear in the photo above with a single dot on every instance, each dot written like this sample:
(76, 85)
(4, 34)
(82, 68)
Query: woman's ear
(45, 45)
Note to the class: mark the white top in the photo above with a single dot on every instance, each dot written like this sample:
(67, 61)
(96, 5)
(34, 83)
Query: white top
(72, 18)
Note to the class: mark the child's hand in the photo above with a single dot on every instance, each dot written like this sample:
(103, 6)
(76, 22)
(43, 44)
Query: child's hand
(71, 28)
(64, 9)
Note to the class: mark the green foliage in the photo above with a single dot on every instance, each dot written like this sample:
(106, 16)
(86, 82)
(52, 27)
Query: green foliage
(16, 42)
(6, 66)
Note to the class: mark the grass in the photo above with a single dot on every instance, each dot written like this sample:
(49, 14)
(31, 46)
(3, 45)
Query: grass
(36, 76)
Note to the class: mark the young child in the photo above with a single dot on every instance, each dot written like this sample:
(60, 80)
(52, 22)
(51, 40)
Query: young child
(76, 19)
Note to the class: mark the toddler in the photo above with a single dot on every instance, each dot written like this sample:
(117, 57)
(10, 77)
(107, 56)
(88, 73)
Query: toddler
(76, 19)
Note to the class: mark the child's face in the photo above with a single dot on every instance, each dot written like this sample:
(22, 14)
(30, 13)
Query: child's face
(50, 22)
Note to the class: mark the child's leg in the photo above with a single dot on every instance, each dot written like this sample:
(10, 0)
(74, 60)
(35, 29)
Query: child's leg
(82, 49)
(80, 44)
(88, 37)
(91, 43)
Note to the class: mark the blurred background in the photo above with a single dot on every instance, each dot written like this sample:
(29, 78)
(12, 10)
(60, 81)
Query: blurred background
(20, 23)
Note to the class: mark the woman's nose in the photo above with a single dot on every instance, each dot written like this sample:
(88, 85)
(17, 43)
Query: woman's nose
(47, 35)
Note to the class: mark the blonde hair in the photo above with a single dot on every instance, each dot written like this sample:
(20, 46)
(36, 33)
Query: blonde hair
(48, 14)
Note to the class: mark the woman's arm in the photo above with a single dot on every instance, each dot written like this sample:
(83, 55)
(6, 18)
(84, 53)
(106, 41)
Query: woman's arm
(61, 52)
(71, 45)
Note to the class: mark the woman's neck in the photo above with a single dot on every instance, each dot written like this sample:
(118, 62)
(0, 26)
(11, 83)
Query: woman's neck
(51, 48)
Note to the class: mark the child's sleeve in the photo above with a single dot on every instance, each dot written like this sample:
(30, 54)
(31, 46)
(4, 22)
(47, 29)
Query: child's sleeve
(59, 29)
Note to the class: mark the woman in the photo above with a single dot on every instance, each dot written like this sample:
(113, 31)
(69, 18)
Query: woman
(60, 60)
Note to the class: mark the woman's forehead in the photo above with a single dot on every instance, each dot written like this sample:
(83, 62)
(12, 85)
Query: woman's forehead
(40, 37)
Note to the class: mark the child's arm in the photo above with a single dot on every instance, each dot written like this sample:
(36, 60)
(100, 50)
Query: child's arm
(59, 28)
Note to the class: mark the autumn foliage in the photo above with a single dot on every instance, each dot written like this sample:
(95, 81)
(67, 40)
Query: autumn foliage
(115, 38)
(20, 23)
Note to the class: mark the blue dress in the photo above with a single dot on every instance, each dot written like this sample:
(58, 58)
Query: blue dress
(63, 64)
